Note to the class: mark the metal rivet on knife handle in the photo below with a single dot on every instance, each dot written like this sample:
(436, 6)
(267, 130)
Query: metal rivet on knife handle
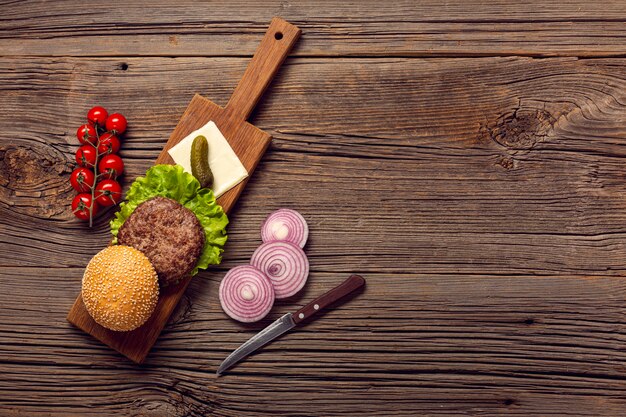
(348, 286)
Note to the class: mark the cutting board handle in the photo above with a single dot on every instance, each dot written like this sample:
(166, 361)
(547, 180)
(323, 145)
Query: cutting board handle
(274, 48)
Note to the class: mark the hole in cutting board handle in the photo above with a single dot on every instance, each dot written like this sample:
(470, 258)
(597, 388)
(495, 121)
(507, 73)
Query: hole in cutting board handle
(278, 35)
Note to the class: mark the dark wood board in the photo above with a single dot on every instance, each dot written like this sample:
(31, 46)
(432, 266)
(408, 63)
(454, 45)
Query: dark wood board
(495, 271)
(248, 142)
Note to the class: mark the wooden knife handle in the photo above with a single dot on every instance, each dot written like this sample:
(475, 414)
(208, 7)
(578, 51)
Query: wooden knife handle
(348, 286)
(274, 48)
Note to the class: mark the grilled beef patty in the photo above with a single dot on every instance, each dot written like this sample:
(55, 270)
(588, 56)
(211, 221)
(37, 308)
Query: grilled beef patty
(169, 234)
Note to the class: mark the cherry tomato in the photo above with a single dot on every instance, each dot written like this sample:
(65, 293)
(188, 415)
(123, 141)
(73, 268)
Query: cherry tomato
(86, 156)
(82, 179)
(86, 134)
(97, 115)
(116, 123)
(108, 192)
(81, 205)
(111, 166)
(109, 143)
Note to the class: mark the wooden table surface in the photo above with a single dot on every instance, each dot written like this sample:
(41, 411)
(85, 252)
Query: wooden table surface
(466, 158)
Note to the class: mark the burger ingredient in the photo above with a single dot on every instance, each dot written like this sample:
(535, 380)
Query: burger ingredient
(98, 151)
(109, 143)
(86, 156)
(285, 264)
(120, 288)
(111, 166)
(86, 134)
(82, 180)
(84, 206)
(108, 193)
(97, 116)
(200, 162)
(286, 225)
(246, 294)
(171, 181)
(116, 123)
(280, 259)
(169, 234)
(227, 169)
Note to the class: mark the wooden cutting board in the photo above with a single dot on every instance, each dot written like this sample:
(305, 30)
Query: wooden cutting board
(248, 142)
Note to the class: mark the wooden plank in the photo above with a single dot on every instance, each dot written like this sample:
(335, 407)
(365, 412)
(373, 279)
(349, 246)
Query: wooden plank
(229, 28)
(498, 165)
(411, 344)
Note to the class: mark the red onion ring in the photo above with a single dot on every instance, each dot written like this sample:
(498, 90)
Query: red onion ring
(285, 264)
(246, 294)
(285, 225)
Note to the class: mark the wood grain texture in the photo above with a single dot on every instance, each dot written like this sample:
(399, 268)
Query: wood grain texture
(410, 344)
(248, 142)
(502, 165)
(501, 169)
(482, 198)
(350, 287)
(363, 28)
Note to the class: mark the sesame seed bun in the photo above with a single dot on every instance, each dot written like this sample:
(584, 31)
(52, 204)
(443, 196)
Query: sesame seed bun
(120, 288)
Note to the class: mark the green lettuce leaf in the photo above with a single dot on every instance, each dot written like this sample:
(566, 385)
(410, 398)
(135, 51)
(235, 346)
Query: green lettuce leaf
(173, 182)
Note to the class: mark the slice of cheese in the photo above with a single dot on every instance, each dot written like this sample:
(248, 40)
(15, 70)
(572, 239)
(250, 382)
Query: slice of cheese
(227, 169)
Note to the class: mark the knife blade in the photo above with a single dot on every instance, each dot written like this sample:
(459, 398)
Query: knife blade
(291, 320)
(271, 332)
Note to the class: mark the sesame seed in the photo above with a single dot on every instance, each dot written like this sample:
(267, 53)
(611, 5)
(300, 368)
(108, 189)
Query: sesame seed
(120, 288)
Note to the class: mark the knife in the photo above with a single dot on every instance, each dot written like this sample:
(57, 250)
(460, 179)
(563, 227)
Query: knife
(291, 320)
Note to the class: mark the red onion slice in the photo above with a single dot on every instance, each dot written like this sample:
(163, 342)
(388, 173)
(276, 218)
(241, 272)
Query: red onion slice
(246, 294)
(285, 225)
(285, 264)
